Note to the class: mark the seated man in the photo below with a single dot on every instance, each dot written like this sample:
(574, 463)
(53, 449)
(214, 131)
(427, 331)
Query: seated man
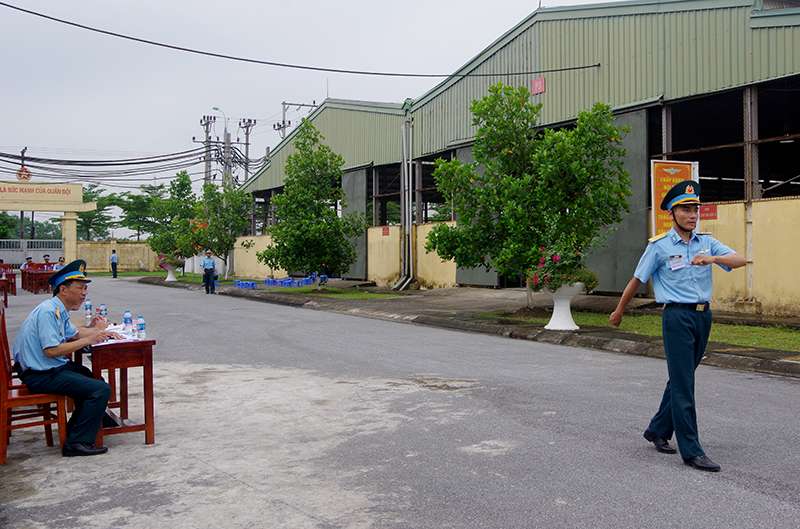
(60, 264)
(42, 342)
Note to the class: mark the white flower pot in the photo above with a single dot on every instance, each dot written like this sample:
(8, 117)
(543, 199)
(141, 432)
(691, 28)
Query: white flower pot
(561, 320)
(170, 273)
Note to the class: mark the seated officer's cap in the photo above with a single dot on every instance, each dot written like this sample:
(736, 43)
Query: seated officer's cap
(686, 192)
(74, 270)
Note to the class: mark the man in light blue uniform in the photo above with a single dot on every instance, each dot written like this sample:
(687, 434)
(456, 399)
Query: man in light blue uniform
(678, 262)
(42, 342)
(113, 260)
(209, 271)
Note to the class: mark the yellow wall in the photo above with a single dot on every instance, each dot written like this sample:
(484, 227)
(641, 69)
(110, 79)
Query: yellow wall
(774, 260)
(430, 271)
(776, 255)
(245, 262)
(132, 256)
(383, 255)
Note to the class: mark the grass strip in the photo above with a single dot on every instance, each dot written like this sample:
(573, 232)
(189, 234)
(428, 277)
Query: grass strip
(769, 337)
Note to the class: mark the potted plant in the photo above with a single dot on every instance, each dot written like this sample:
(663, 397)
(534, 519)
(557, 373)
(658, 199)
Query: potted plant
(170, 261)
(562, 275)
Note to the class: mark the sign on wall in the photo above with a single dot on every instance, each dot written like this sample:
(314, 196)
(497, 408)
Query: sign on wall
(663, 175)
(537, 86)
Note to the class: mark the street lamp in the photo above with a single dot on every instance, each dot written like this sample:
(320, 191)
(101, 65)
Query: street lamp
(227, 149)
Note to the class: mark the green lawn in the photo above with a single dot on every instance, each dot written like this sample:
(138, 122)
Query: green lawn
(772, 337)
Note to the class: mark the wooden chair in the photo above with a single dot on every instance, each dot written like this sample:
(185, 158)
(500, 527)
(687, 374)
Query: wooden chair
(18, 404)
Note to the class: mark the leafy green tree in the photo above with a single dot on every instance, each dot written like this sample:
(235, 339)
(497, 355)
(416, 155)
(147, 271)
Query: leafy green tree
(531, 194)
(9, 226)
(172, 216)
(138, 209)
(221, 218)
(96, 224)
(310, 235)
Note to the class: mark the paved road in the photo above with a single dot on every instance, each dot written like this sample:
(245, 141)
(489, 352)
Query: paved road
(269, 416)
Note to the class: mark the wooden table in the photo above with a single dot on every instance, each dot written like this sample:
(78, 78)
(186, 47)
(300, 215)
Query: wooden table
(4, 288)
(121, 356)
(12, 282)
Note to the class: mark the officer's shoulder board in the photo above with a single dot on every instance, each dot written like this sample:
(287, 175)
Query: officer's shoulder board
(657, 237)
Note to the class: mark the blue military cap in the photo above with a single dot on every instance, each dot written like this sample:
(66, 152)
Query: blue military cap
(686, 192)
(74, 270)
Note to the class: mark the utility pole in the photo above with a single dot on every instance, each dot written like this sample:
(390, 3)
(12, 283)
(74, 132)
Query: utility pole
(206, 123)
(22, 213)
(283, 125)
(247, 125)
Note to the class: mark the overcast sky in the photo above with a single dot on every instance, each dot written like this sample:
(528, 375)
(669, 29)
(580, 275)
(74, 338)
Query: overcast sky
(69, 93)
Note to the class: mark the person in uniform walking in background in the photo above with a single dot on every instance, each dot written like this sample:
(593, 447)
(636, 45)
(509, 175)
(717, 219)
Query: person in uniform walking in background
(113, 260)
(209, 271)
(679, 263)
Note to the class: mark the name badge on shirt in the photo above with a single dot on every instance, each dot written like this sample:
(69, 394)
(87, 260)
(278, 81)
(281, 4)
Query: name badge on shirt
(676, 262)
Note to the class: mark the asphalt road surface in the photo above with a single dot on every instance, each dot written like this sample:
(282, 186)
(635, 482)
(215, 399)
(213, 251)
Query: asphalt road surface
(268, 416)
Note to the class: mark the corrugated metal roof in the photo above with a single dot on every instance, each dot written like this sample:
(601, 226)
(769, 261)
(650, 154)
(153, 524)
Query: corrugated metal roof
(362, 132)
(645, 49)
(627, 52)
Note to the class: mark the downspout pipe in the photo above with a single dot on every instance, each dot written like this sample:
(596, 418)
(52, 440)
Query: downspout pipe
(409, 207)
(403, 221)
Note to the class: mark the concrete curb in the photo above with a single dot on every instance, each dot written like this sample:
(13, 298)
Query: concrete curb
(771, 366)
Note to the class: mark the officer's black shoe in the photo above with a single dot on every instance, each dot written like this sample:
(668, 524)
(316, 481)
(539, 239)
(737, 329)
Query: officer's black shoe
(702, 463)
(82, 449)
(662, 445)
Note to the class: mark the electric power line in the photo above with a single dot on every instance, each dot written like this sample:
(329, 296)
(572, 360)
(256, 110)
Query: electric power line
(285, 65)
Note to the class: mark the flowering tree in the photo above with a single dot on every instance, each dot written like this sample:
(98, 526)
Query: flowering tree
(172, 258)
(172, 216)
(532, 194)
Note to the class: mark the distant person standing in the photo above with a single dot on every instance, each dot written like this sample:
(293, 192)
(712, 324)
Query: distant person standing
(209, 271)
(113, 260)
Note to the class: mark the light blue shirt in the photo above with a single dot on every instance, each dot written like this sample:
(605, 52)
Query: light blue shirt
(208, 262)
(113, 258)
(674, 279)
(46, 326)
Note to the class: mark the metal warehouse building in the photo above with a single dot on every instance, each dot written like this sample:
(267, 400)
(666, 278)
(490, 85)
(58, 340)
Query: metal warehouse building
(711, 81)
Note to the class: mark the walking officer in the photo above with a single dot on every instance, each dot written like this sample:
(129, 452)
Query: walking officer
(679, 263)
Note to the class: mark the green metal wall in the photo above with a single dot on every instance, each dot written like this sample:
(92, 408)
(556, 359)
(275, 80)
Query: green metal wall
(646, 50)
(361, 133)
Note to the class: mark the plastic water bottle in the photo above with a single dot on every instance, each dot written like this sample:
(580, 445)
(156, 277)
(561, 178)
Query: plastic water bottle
(127, 322)
(88, 306)
(103, 311)
(141, 333)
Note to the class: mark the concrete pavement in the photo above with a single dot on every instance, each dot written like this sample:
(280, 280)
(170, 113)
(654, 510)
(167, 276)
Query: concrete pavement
(273, 417)
(458, 308)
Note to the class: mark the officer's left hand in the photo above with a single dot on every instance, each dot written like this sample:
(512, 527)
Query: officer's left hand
(703, 260)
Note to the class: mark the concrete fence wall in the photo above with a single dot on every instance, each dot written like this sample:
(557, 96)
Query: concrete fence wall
(131, 256)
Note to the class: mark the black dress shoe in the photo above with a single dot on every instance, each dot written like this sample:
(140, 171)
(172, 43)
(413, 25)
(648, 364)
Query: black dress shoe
(702, 463)
(82, 449)
(662, 445)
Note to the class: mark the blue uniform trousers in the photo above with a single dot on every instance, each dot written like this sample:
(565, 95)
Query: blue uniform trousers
(89, 395)
(685, 333)
(208, 280)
